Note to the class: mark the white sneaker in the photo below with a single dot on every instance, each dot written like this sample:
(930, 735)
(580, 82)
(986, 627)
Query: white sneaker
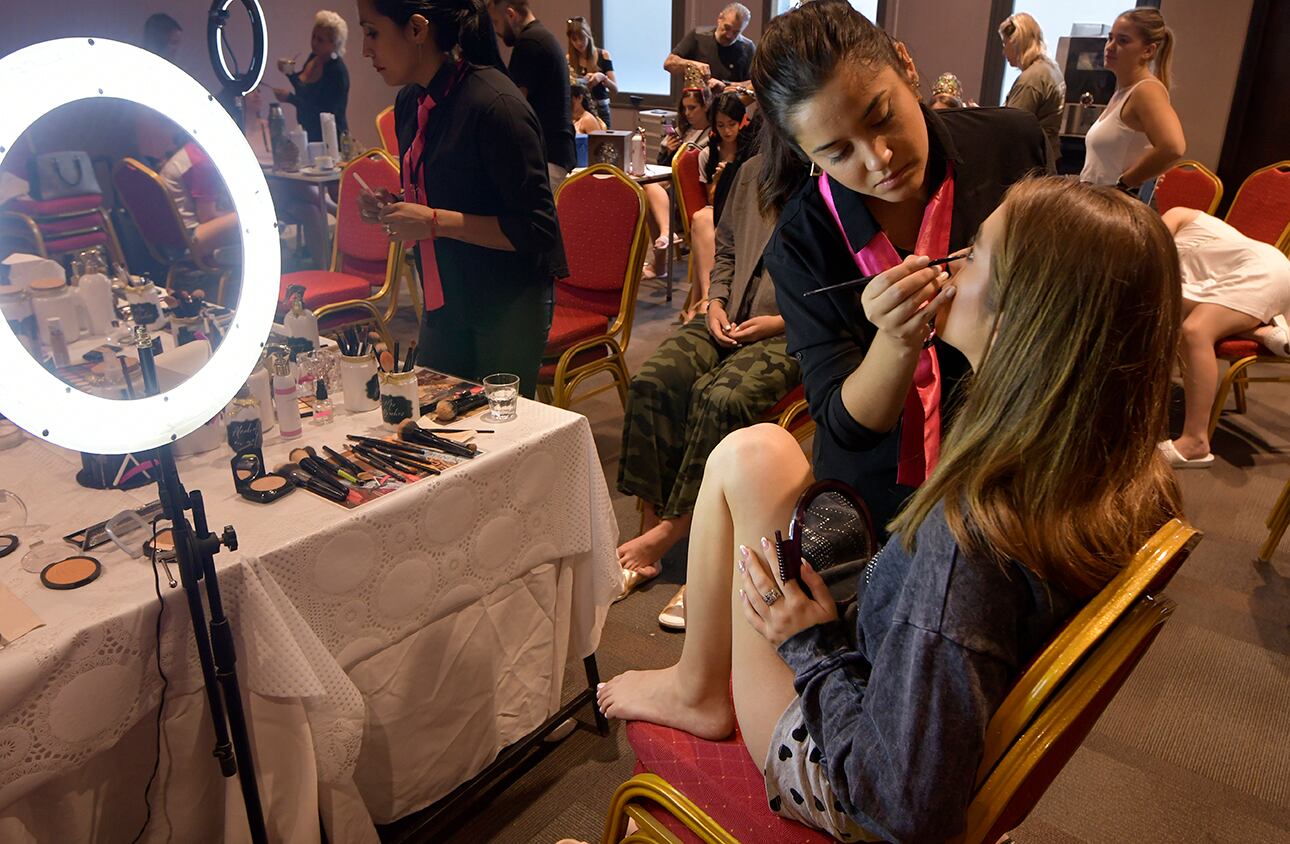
(1275, 337)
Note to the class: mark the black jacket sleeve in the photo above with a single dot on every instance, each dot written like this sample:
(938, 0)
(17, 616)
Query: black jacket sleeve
(516, 170)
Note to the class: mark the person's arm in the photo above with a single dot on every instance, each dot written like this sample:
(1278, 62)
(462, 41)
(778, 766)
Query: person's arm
(1150, 111)
(606, 75)
(679, 59)
(524, 66)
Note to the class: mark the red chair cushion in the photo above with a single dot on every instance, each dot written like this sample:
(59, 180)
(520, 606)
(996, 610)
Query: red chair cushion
(76, 242)
(1233, 348)
(569, 325)
(324, 288)
(721, 778)
(57, 207)
(74, 223)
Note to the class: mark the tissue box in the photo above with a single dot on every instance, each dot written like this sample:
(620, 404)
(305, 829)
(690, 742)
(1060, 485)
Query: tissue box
(22, 269)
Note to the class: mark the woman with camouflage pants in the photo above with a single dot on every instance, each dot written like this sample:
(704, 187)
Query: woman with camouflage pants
(716, 374)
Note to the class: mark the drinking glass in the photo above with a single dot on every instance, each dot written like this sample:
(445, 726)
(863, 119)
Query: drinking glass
(503, 392)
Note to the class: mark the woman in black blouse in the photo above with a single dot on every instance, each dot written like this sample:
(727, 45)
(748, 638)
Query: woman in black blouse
(904, 180)
(476, 196)
(322, 85)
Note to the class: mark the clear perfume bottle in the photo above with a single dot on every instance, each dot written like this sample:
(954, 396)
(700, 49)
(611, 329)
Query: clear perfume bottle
(324, 413)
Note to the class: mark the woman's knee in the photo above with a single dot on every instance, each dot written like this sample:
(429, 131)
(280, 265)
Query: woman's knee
(756, 454)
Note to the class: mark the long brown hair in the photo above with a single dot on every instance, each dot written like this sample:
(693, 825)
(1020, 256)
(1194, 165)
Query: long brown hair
(800, 51)
(1151, 26)
(588, 61)
(1052, 460)
(703, 95)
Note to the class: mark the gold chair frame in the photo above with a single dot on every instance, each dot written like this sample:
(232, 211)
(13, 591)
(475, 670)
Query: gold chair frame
(1283, 241)
(568, 375)
(788, 418)
(1041, 723)
(380, 133)
(382, 305)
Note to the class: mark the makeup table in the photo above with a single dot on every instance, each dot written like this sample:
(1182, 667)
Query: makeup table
(389, 652)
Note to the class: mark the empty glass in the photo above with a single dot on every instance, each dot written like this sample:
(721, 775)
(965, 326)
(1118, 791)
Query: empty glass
(503, 393)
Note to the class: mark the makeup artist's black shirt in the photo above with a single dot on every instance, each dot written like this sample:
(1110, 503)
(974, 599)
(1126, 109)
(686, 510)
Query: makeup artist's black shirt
(483, 155)
(829, 335)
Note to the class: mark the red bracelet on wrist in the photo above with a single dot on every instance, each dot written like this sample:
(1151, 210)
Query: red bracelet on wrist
(434, 223)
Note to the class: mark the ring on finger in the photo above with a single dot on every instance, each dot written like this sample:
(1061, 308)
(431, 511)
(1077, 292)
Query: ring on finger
(772, 596)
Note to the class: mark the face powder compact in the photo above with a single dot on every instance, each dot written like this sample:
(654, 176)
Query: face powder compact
(8, 542)
(71, 573)
(165, 542)
(254, 484)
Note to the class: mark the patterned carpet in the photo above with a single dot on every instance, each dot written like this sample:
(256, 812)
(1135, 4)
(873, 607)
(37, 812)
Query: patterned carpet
(1195, 748)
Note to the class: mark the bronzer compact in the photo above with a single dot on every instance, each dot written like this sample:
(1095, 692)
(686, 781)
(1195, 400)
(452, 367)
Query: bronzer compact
(255, 484)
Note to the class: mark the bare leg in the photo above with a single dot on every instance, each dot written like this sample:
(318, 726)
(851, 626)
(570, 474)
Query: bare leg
(645, 552)
(659, 227)
(1202, 327)
(752, 480)
(212, 234)
(703, 251)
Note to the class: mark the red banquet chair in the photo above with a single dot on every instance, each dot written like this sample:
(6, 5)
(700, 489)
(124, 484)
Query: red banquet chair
(691, 196)
(793, 414)
(385, 129)
(150, 205)
(1188, 184)
(362, 257)
(602, 221)
(52, 228)
(1261, 208)
(688, 789)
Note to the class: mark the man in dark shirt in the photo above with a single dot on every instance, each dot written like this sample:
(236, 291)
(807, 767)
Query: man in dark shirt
(539, 68)
(720, 55)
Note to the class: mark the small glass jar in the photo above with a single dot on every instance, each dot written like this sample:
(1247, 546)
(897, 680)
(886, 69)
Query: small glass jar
(399, 401)
(245, 429)
(358, 381)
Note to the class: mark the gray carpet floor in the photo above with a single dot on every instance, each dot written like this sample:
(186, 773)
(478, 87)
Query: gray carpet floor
(1196, 747)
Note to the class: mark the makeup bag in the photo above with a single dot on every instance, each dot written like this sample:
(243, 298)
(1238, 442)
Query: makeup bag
(54, 175)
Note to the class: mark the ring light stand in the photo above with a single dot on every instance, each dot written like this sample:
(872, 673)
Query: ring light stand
(53, 74)
(233, 84)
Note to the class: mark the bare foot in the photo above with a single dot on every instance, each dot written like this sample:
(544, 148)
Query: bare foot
(643, 553)
(661, 697)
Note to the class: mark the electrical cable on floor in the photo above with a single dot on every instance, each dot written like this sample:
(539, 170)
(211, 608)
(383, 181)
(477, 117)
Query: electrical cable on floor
(165, 684)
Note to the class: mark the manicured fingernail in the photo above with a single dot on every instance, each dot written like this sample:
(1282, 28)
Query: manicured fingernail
(742, 595)
(765, 543)
(740, 565)
(743, 551)
(950, 291)
(600, 685)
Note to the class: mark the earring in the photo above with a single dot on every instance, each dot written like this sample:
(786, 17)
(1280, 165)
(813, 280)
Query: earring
(815, 169)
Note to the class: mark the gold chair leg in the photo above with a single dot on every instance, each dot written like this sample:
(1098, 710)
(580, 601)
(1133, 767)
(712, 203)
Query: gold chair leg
(622, 379)
(1234, 371)
(1277, 522)
(1240, 386)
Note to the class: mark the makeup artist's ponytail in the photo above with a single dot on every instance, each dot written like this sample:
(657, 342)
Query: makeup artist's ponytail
(460, 24)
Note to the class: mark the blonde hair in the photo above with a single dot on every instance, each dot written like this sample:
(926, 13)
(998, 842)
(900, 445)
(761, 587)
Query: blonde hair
(1151, 26)
(1023, 30)
(1052, 460)
(334, 24)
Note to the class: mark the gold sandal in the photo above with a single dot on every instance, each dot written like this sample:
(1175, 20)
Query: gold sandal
(632, 581)
(673, 615)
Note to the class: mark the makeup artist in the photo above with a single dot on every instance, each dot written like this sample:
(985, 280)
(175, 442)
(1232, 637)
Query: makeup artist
(476, 199)
(866, 180)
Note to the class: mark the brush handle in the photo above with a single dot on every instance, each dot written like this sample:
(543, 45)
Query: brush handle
(856, 282)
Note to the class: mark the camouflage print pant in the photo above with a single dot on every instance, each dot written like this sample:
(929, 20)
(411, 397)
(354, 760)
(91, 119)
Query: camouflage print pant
(685, 399)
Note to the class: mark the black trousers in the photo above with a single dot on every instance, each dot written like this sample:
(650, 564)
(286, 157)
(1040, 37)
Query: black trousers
(478, 336)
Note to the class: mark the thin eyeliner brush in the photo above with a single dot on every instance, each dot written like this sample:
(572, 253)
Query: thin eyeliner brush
(856, 282)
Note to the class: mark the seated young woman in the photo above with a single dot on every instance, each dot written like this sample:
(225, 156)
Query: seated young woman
(1067, 310)
(1231, 285)
(711, 376)
(691, 128)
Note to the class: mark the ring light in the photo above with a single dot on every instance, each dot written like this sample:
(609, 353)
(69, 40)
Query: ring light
(240, 83)
(45, 76)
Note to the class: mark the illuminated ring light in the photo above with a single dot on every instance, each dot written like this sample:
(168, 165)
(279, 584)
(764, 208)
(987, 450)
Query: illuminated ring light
(218, 17)
(39, 79)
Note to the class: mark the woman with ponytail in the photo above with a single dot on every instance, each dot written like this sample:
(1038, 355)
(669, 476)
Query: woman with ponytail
(476, 199)
(1138, 136)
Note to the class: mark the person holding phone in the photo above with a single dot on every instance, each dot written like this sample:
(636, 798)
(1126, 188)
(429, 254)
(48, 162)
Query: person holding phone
(476, 196)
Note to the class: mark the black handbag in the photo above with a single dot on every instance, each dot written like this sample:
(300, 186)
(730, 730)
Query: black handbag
(54, 175)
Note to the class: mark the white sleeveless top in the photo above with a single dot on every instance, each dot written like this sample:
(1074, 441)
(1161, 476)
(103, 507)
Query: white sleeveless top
(1110, 145)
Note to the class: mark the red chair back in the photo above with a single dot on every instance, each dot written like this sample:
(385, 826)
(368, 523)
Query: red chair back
(385, 127)
(153, 211)
(1188, 184)
(1261, 209)
(601, 214)
(690, 192)
(361, 248)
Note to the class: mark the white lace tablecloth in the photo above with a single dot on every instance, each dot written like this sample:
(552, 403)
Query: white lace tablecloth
(333, 607)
